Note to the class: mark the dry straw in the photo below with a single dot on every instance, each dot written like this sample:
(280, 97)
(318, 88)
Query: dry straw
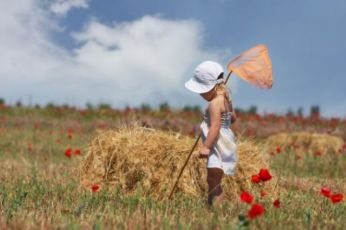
(147, 159)
(305, 142)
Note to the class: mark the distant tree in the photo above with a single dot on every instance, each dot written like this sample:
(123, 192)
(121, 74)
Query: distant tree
(300, 111)
(187, 108)
(50, 105)
(197, 109)
(252, 110)
(164, 107)
(315, 110)
(145, 107)
(89, 106)
(290, 113)
(238, 110)
(19, 104)
(37, 106)
(2, 101)
(104, 106)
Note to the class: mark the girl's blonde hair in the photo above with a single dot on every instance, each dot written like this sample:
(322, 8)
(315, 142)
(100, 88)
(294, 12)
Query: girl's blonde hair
(221, 89)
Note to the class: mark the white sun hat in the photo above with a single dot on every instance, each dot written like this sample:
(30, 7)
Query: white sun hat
(205, 77)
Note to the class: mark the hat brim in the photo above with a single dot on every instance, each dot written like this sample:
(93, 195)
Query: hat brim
(197, 87)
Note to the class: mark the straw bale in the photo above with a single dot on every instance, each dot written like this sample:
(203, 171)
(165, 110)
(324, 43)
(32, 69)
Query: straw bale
(150, 160)
(305, 142)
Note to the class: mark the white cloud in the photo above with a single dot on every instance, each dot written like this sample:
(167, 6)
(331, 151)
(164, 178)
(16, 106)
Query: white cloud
(62, 7)
(146, 60)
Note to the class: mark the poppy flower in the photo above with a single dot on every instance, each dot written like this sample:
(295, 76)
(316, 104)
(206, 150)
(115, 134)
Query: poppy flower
(68, 152)
(318, 153)
(325, 191)
(276, 203)
(255, 211)
(336, 198)
(95, 188)
(77, 151)
(30, 147)
(264, 175)
(255, 178)
(246, 197)
(278, 149)
(263, 193)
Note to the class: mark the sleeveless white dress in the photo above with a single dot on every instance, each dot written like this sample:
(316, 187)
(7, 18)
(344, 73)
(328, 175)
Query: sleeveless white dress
(223, 153)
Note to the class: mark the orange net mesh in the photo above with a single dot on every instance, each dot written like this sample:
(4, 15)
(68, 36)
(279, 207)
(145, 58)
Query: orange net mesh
(254, 66)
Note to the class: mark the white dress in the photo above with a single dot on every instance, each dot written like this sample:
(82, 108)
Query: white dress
(223, 152)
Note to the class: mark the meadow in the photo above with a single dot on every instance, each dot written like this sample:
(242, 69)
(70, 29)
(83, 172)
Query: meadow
(41, 150)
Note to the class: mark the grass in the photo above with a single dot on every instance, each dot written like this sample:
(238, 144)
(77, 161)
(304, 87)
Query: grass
(39, 188)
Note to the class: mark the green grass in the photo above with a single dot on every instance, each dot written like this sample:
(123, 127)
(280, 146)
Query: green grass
(39, 188)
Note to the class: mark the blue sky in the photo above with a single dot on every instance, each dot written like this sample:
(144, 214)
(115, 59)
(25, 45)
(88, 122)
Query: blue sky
(133, 52)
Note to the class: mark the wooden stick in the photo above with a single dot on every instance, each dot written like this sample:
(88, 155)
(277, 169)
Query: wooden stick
(189, 156)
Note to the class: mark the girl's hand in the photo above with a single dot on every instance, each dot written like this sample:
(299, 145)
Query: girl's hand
(204, 152)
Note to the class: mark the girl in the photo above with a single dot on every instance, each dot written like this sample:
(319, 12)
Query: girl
(218, 139)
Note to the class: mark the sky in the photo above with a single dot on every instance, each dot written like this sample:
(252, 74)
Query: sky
(131, 52)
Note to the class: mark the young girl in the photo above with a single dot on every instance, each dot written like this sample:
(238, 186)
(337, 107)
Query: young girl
(218, 139)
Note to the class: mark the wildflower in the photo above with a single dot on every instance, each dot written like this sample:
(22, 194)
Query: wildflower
(77, 151)
(318, 153)
(30, 147)
(264, 175)
(255, 178)
(95, 188)
(278, 149)
(276, 203)
(246, 197)
(263, 193)
(336, 198)
(325, 191)
(69, 136)
(255, 211)
(68, 152)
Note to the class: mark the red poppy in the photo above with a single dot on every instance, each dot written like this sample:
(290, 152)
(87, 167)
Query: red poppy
(278, 149)
(318, 153)
(255, 178)
(255, 211)
(336, 198)
(69, 136)
(95, 188)
(276, 203)
(325, 191)
(77, 151)
(68, 152)
(30, 147)
(263, 193)
(246, 197)
(264, 175)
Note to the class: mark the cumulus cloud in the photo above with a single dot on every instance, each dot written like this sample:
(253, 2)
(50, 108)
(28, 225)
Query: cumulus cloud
(62, 7)
(125, 63)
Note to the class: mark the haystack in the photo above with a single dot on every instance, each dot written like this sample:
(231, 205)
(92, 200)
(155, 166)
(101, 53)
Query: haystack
(147, 160)
(305, 142)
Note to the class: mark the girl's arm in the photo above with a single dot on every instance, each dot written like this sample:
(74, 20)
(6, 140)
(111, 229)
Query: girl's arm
(215, 123)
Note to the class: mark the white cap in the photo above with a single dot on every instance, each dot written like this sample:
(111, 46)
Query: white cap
(205, 77)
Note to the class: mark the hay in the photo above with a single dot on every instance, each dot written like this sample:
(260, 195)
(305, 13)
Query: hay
(305, 142)
(150, 160)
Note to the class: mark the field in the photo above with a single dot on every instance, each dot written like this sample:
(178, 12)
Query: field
(41, 150)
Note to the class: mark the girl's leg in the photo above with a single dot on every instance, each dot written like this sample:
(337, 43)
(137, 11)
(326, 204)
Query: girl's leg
(214, 181)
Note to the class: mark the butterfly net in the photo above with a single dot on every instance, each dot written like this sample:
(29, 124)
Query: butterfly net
(254, 66)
